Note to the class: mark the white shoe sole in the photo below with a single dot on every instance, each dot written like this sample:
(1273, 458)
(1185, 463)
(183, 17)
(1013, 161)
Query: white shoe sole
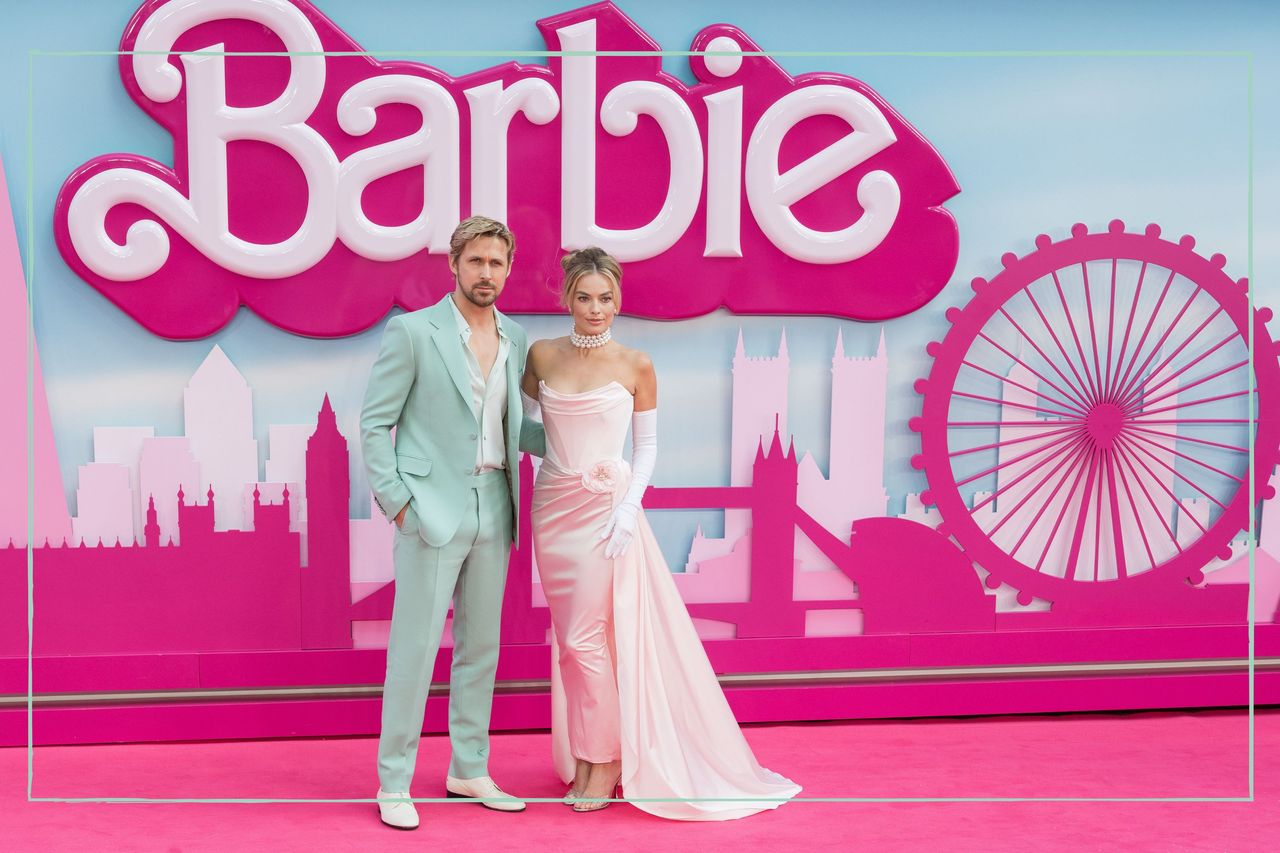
(510, 808)
(386, 822)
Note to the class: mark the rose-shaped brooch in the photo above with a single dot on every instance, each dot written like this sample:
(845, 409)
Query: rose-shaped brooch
(601, 477)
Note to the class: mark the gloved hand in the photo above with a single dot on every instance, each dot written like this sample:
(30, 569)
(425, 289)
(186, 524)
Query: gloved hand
(644, 455)
(620, 529)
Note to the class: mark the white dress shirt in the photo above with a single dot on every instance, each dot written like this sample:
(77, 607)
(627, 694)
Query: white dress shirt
(488, 396)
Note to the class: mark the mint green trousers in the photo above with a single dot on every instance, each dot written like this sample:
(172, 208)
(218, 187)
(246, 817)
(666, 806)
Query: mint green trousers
(469, 572)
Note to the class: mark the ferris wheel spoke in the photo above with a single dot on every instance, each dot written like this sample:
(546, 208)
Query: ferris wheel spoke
(1132, 446)
(1142, 339)
(1080, 443)
(1010, 442)
(1193, 439)
(1128, 327)
(1079, 394)
(1093, 334)
(1075, 336)
(1117, 533)
(1111, 327)
(1133, 505)
(1135, 381)
(1037, 424)
(1203, 379)
(1180, 455)
(1073, 461)
(1073, 408)
(1082, 518)
(1138, 390)
(1155, 510)
(1187, 405)
(1084, 387)
(1050, 446)
(1062, 513)
(1202, 421)
(1097, 519)
(1027, 406)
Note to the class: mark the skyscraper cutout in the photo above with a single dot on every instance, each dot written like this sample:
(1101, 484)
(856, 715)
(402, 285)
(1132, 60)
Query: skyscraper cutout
(50, 519)
(218, 421)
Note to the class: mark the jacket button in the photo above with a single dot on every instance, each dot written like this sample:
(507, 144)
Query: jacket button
(473, 436)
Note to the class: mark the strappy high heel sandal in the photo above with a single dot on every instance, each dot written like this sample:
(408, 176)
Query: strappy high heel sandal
(594, 804)
(571, 796)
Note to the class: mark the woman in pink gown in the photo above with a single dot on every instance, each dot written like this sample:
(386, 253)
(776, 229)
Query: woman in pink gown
(635, 701)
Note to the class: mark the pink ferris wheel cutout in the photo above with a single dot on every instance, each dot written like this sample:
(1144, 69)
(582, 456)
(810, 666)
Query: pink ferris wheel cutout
(1087, 419)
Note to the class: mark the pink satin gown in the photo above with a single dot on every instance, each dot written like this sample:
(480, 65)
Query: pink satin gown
(631, 680)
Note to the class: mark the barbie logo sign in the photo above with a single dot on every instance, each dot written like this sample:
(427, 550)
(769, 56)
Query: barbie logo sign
(319, 190)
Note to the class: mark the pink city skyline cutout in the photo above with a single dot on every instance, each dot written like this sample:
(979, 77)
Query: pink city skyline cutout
(835, 587)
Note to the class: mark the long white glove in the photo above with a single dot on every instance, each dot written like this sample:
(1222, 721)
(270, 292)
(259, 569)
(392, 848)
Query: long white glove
(532, 408)
(644, 455)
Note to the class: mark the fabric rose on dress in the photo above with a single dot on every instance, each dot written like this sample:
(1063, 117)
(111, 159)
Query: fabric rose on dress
(602, 477)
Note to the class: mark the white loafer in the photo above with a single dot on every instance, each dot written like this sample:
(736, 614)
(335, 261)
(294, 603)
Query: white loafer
(396, 810)
(483, 789)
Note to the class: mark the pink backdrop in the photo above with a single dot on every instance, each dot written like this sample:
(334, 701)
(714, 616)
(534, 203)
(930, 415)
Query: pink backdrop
(186, 569)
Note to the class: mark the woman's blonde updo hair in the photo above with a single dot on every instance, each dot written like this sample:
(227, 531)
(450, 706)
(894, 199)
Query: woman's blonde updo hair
(585, 262)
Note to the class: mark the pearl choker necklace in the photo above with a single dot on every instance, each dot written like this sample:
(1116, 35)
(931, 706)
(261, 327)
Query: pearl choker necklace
(590, 341)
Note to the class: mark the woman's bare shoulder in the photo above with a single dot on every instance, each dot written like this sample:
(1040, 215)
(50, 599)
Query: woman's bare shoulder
(638, 360)
(639, 369)
(545, 347)
(545, 344)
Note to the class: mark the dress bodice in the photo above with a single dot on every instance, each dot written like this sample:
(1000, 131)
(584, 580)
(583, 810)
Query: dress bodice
(585, 428)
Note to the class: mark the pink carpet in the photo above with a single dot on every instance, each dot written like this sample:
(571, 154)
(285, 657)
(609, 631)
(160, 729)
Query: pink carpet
(1150, 754)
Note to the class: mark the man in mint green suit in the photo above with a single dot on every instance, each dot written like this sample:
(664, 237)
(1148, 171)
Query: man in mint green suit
(447, 379)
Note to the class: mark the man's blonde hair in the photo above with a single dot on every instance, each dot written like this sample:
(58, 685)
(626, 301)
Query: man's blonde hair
(479, 226)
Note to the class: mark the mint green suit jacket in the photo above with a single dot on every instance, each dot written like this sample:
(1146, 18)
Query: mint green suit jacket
(420, 386)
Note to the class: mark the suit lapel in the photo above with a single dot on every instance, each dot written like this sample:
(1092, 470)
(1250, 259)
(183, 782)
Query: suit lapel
(449, 343)
(515, 358)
